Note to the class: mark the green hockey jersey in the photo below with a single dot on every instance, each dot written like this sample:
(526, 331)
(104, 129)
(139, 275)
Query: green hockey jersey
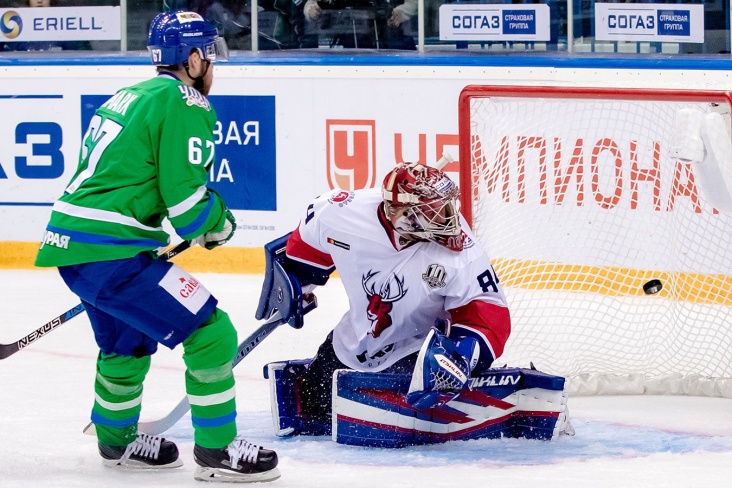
(144, 157)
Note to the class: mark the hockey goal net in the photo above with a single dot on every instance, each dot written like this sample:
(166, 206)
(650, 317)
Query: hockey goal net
(574, 195)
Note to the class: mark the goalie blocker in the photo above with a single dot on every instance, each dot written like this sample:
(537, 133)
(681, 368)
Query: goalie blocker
(282, 291)
(370, 409)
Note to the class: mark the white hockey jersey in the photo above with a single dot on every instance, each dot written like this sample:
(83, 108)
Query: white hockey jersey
(396, 290)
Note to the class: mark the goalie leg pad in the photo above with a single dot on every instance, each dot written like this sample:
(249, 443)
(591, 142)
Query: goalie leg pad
(370, 409)
(287, 412)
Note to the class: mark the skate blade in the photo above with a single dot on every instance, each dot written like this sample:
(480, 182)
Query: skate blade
(227, 476)
(133, 465)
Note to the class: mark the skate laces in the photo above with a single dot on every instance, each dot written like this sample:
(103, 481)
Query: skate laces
(145, 445)
(242, 449)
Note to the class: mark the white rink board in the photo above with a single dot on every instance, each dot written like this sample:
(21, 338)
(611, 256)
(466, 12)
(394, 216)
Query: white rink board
(412, 110)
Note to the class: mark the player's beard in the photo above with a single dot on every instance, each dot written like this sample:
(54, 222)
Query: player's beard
(201, 84)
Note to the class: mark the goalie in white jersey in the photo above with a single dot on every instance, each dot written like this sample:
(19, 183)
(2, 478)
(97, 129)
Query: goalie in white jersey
(407, 261)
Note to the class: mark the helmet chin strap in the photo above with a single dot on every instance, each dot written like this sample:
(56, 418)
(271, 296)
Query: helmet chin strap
(198, 81)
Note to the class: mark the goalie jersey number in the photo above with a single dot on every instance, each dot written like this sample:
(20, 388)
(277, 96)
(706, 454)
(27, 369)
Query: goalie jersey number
(488, 281)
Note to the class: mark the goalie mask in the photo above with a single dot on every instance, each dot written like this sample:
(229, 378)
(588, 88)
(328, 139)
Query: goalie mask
(423, 204)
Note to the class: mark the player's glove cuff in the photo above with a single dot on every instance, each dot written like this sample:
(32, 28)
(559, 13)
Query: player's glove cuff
(213, 239)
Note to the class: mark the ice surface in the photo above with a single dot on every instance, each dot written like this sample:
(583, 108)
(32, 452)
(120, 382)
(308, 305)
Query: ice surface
(47, 392)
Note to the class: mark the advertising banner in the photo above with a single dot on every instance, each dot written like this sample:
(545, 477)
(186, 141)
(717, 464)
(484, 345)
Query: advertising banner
(244, 169)
(652, 22)
(283, 136)
(60, 24)
(32, 150)
(279, 144)
(464, 22)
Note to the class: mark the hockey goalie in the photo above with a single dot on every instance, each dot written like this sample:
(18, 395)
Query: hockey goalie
(411, 361)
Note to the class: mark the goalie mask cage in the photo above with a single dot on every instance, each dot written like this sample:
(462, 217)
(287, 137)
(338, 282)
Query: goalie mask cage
(575, 197)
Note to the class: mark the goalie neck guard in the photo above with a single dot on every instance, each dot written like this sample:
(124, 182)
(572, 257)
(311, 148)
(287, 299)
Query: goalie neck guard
(423, 204)
(173, 35)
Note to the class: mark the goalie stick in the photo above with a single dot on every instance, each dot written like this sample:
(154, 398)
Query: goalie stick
(157, 427)
(7, 350)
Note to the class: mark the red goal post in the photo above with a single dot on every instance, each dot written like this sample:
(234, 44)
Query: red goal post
(580, 196)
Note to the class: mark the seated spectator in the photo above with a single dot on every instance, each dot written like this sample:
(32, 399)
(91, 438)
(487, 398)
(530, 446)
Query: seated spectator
(198, 6)
(233, 20)
(407, 12)
(369, 24)
(289, 29)
(402, 13)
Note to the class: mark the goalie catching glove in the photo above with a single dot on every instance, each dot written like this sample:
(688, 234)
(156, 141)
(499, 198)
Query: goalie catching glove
(442, 369)
(218, 236)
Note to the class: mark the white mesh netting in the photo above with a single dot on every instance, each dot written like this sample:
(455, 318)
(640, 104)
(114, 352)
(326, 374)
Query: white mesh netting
(578, 203)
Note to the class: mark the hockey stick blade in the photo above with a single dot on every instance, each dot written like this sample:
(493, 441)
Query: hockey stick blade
(157, 427)
(7, 350)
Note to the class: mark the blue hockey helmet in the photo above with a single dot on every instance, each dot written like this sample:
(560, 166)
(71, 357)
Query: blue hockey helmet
(173, 35)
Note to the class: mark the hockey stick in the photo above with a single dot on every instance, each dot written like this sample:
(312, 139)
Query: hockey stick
(7, 350)
(156, 427)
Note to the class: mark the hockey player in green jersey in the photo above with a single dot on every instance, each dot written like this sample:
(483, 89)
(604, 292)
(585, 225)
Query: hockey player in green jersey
(145, 157)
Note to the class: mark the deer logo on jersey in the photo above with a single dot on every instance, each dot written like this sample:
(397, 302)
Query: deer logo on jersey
(381, 303)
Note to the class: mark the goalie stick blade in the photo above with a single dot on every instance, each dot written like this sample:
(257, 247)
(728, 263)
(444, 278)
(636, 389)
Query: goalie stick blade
(157, 427)
(154, 427)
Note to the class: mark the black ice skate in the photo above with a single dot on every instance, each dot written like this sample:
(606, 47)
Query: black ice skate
(241, 462)
(146, 452)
